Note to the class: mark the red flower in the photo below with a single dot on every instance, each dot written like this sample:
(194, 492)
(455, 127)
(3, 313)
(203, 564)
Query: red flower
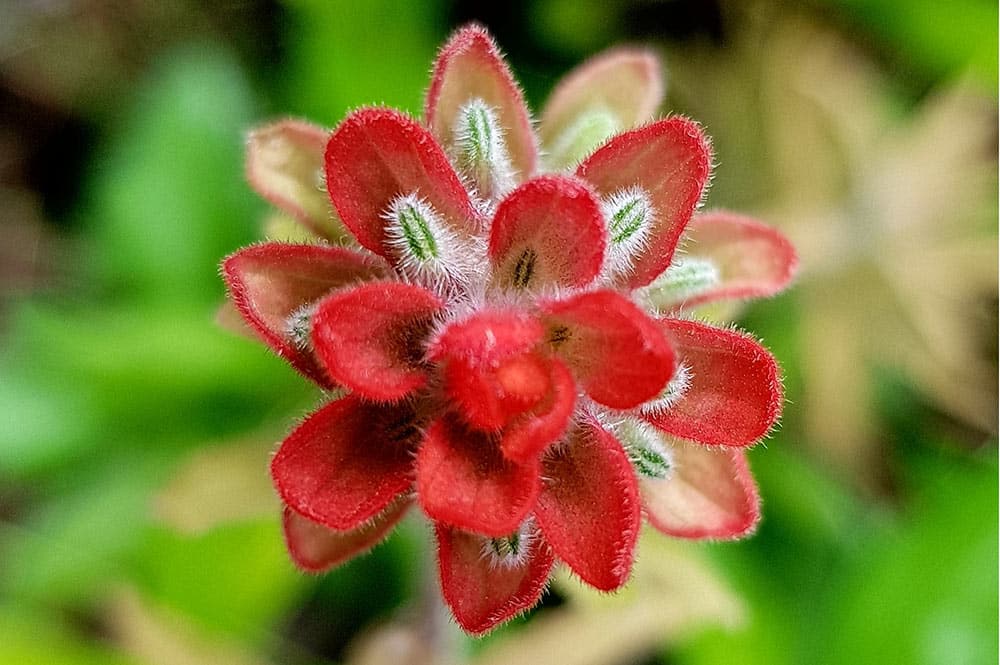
(511, 343)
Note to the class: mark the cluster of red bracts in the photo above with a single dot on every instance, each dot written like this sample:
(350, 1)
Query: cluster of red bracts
(533, 397)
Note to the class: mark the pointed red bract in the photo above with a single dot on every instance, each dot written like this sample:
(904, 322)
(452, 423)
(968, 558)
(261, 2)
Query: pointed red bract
(464, 481)
(285, 166)
(670, 160)
(481, 593)
(734, 397)
(547, 232)
(377, 155)
(625, 82)
(315, 548)
(710, 493)
(269, 282)
(369, 338)
(468, 67)
(346, 462)
(617, 352)
(589, 509)
(531, 433)
(753, 259)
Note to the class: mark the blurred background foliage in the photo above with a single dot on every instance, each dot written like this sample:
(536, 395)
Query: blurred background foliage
(137, 523)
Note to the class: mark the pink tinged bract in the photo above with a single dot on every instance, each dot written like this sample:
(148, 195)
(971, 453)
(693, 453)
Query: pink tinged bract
(468, 67)
(753, 259)
(619, 355)
(377, 155)
(670, 160)
(347, 462)
(270, 282)
(710, 493)
(464, 481)
(547, 232)
(627, 83)
(735, 395)
(482, 593)
(285, 165)
(315, 548)
(589, 510)
(370, 337)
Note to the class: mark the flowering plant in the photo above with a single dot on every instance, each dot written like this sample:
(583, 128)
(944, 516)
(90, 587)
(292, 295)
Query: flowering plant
(501, 328)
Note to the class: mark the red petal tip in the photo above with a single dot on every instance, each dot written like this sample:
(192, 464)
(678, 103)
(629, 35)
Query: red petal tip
(670, 160)
(346, 463)
(370, 338)
(271, 281)
(734, 397)
(482, 595)
(547, 232)
(465, 482)
(376, 155)
(589, 510)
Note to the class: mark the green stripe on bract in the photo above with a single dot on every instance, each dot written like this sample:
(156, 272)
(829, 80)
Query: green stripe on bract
(417, 232)
(479, 151)
(590, 130)
(686, 278)
(645, 448)
(507, 546)
(649, 463)
(629, 217)
(627, 220)
(478, 146)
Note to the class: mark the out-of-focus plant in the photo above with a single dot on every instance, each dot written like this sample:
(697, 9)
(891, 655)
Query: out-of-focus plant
(893, 209)
(104, 391)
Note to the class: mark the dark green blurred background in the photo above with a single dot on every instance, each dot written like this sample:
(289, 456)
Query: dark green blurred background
(136, 519)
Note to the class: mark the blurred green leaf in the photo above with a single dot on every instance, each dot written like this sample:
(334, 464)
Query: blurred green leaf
(926, 592)
(68, 550)
(29, 638)
(167, 199)
(831, 583)
(42, 423)
(359, 52)
(236, 579)
(578, 27)
(939, 37)
(100, 378)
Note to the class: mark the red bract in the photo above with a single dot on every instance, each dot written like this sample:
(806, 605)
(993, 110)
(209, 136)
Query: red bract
(505, 329)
